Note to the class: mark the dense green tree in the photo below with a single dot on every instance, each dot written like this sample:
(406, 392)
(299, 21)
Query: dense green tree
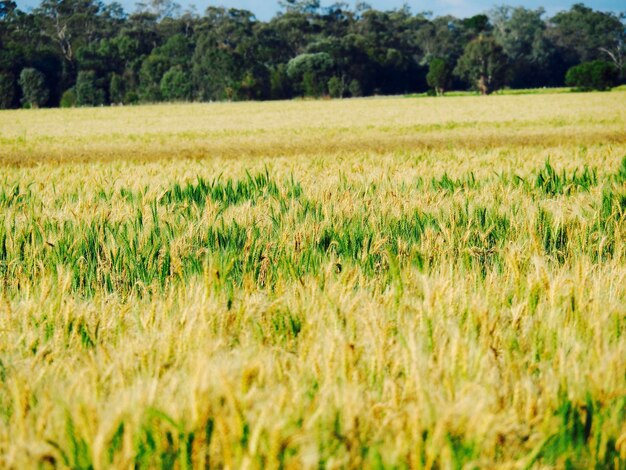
(595, 75)
(583, 35)
(290, 33)
(151, 73)
(439, 75)
(226, 53)
(34, 90)
(392, 50)
(310, 73)
(176, 85)
(280, 85)
(68, 99)
(87, 89)
(75, 24)
(355, 89)
(478, 24)
(7, 90)
(215, 72)
(225, 56)
(483, 64)
(23, 46)
(337, 20)
(443, 37)
(117, 91)
(522, 35)
(336, 87)
(177, 50)
(349, 55)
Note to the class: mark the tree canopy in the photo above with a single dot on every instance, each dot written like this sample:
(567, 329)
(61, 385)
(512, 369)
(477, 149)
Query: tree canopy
(100, 54)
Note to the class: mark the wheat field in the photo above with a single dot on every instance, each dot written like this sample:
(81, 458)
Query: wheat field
(376, 283)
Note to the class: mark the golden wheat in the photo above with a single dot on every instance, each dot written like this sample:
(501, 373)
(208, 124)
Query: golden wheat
(414, 283)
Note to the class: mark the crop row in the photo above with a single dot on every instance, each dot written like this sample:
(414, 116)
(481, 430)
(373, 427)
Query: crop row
(169, 238)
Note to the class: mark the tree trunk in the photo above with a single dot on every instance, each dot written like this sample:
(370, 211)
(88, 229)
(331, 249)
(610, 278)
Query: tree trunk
(482, 85)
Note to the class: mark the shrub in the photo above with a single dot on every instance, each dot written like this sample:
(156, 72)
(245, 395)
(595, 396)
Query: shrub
(355, 89)
(597, 75)
(116, 89)
(280, 85)
(68, 99)
(150, 75)
(311, 72)
(336, 87)
(176, 85)
(439, 75)
(131, 97)
(34, 90)
(87, 91)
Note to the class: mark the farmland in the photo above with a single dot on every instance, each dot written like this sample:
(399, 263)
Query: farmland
(380, 283)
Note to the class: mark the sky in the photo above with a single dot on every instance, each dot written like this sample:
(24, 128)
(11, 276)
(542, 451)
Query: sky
(265, 9)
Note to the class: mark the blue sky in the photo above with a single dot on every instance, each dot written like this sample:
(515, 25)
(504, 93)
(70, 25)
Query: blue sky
(265, 9)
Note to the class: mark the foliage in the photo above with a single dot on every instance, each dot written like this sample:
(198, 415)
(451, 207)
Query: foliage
(355, 88)
(229, 54)
(585, 35)
(176, 85)
(7, 90)
(310, 73)
(116, 89)
(531, 52)
(68, 99)
(131, 98)
(483, 64)
(439, 75)
(553, 183)
(597, 75)
(34, 91)
(336, 87)
(225, 55)
(150, 75)
(88, 93)
(280, 86)
(443, 37)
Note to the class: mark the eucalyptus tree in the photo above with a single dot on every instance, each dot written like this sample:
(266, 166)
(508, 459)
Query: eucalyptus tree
(583, 34)
(483, 64)
(521, 33)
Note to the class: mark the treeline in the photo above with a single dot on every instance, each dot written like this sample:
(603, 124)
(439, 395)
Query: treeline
(86, 52)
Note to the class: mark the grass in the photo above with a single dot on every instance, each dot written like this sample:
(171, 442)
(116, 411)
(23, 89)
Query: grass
(502, 92)
(515, 91)
(364, 283)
